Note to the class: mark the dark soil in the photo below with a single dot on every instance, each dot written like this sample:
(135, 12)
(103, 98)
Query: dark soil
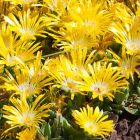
(127, 127)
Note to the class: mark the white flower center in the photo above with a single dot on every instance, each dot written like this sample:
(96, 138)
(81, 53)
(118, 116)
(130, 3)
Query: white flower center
(26, 87)
(90, 126)
(89, 23)
(99, 87)
(126, 65)
(26, 117)
(70, 85)
(27, 31)
(133, 45)
(11, 59)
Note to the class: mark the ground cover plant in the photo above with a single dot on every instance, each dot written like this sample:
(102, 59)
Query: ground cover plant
(67, 67)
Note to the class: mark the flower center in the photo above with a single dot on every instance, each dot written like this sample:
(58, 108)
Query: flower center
(79, 42)
(11, 59)
(27, 118)
(27, 31)
(26, 87)
(126, 65)
(99, 87)
(70, 85)
(89, 23)
(91, 127)
(133, 45)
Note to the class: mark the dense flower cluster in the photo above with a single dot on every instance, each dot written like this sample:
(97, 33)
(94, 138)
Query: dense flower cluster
(57, 56)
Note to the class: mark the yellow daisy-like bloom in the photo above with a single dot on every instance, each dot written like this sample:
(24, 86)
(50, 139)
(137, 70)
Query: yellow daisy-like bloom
(65, 74)
(14, 51)
(128, 35)
(93, 121)
(27, 25)
(21, 114)
(120, 12)
(27, 134)
(28, 80)
(129, 39)
(91, 14)
(68, 67)
(102, 80)
(88, 14)
(127, 64)
(74, 38)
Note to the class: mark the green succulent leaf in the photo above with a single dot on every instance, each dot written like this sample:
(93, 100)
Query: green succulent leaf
(46, 130)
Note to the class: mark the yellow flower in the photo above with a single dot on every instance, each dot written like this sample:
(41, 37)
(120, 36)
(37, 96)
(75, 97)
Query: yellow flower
(74, 38)
(65, 74)
(27, 134)
(21, 114)
(27, 25)
(127, 64)
(102, 80)
(87, 20)
(67, 69)
(91, 14)
(14, 51)
(93, 121)
(120, 12)
(28, 80)
(127, 33)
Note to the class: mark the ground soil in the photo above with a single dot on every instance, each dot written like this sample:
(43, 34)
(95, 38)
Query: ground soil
(127, 127)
